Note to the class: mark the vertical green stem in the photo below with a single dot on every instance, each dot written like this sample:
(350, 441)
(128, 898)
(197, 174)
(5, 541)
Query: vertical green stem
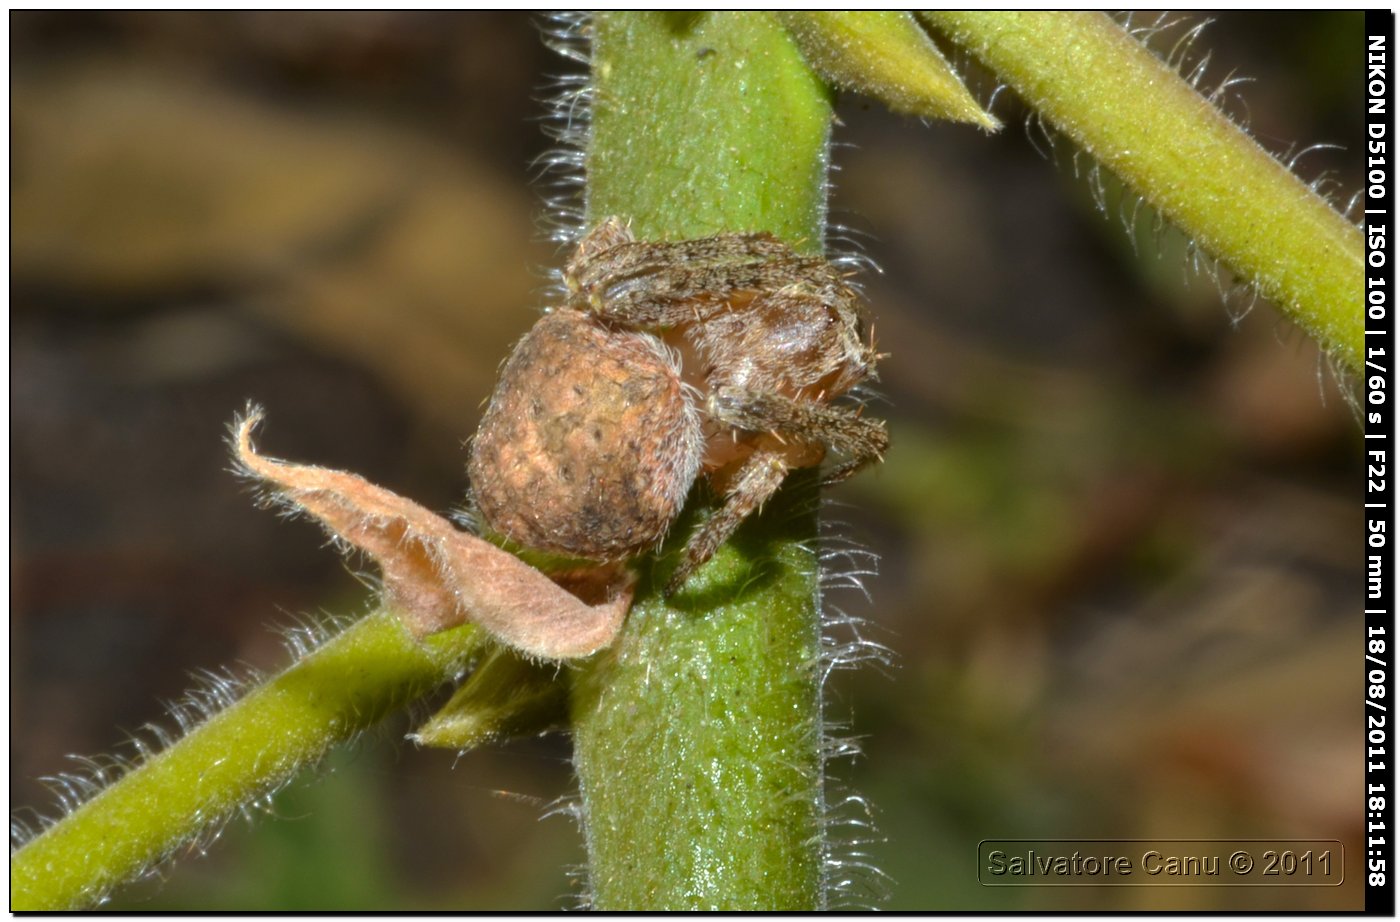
(253, 746)
(697, 735)
(1132, 112)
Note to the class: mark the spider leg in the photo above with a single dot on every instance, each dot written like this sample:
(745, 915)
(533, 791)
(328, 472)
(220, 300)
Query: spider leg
(862, 441)
(640, 309)
(756, 479)
(842, 429)
(658, 285)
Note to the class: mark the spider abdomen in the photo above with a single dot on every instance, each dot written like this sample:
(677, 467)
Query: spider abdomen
(590, 443)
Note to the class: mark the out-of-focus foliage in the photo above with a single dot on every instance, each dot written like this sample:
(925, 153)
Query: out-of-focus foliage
(1119, 529)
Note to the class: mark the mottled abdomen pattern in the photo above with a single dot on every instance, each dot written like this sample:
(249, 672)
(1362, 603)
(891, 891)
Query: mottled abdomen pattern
(589, 445)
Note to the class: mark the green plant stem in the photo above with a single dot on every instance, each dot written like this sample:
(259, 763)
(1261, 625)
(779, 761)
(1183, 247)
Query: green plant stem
(697, 734)
(249, 748)
(1137, 116)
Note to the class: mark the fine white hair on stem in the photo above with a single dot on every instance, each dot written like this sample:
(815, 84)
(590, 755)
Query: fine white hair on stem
(850, 878)
(846, 247)
(212, 691)
(568, 122)
(1353, 209)
(559, 173)
(303, 634)
(1343, 378)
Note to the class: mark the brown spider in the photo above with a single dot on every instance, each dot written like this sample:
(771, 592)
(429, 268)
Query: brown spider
(719, 355)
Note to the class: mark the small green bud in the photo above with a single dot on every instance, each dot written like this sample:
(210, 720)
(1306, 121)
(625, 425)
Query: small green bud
(885, 54)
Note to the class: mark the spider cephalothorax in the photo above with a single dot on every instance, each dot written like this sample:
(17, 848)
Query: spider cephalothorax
(718, 356)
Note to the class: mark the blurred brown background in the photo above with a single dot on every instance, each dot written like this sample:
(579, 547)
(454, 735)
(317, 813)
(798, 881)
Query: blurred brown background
(1120, 526)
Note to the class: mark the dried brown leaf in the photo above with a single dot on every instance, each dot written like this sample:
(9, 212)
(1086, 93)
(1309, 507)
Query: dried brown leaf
(436, 576)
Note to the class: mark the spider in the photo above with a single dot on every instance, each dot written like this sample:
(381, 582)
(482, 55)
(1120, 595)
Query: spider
(718, 356)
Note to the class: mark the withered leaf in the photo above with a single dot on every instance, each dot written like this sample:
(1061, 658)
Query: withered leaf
(437, 576)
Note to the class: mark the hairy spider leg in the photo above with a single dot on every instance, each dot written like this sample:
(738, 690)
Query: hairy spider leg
(841, 429)
(861, 441)
(758, 478)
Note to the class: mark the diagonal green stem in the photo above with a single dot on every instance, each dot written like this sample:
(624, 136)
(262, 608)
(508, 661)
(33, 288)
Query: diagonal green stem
(251, 747)
(697, 734)
(1137, 116)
